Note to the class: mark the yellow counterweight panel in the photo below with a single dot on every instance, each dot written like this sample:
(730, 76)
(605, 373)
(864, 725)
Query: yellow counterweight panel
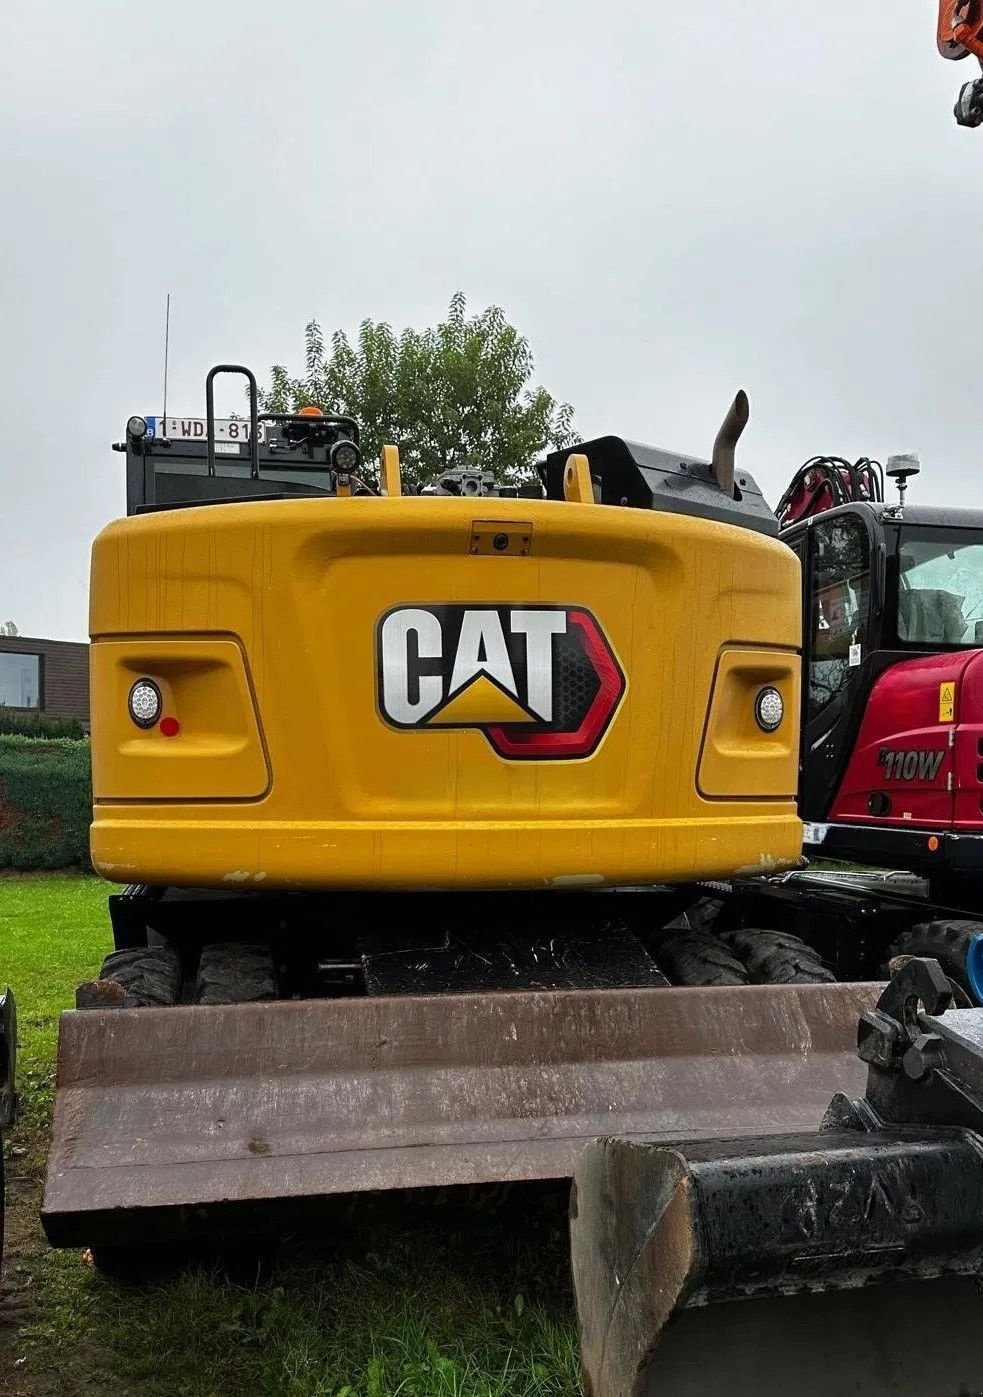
(360, 721)
(218, 746)
(737, 756)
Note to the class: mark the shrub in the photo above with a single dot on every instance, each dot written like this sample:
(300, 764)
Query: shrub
(45, 803)
(15, 722)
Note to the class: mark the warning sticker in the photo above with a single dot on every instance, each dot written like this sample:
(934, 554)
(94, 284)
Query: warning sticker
(947, 701)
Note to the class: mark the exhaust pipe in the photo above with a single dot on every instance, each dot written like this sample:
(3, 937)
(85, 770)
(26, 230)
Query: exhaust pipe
(726, 441)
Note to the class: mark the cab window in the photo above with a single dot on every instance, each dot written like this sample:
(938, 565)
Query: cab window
(940, 589)
(839, 606)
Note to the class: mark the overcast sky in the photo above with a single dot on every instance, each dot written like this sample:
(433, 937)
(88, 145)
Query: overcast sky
(667, 209)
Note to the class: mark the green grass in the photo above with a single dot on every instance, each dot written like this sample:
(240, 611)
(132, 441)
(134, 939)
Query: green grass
(54, 932)
(470, 1302)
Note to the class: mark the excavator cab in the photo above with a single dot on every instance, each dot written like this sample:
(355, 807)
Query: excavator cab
(890, 764)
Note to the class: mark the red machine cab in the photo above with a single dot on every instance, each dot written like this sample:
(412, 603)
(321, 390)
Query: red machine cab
(892, 723)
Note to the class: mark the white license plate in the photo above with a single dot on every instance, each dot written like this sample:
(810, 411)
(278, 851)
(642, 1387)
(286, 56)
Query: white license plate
(232, 429)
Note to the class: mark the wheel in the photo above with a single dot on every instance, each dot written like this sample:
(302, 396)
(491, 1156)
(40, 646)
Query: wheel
(692, 957)
(233, 973)
(777, 958)
(150, 976)
(957, 946)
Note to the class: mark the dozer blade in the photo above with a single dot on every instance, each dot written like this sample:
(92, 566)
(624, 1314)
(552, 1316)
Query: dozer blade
(199, 1122)
(847, 1260)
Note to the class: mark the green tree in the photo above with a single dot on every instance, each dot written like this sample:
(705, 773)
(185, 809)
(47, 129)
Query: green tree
(457, 393)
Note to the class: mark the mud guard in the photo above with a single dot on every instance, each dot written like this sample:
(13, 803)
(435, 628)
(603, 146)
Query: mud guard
(837, 1261)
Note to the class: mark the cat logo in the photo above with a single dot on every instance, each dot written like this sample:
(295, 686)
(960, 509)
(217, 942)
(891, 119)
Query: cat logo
(541, 682)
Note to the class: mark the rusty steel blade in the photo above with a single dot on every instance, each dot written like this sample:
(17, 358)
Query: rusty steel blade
(200, 1120)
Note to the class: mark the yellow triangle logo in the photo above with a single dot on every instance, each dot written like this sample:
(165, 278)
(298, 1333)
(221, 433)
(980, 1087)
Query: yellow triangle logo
(479, 703)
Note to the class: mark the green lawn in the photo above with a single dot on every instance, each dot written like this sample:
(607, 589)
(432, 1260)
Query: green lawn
(463, 1304)
(54, 932)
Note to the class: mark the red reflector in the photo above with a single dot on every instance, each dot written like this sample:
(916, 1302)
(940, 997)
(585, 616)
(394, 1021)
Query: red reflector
(933, 842)
(170, 727)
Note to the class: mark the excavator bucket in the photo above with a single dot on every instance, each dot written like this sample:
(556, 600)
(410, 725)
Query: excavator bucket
(195, 1122)
(843, 1260)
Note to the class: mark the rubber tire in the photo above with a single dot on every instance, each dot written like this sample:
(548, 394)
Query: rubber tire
(232, 972)
(944, 941)
(694, 957)
(150, 976)
(777, 958)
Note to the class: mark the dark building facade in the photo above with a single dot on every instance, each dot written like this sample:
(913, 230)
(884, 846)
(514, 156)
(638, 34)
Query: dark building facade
(47, 676)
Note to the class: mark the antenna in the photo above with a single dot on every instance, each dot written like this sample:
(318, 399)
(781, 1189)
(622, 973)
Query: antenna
(167, 341)
(899, 468)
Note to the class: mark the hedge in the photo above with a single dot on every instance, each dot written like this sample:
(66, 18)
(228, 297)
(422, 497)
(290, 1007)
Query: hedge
(45, 803)
(15, 721)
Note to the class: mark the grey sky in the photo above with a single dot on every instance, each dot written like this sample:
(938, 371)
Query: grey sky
(666, 212)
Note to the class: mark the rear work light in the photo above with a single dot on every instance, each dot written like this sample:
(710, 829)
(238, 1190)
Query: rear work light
(145, 703)
(769, 710)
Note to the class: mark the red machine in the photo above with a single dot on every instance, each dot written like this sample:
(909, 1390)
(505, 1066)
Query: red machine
(892, 723)
(961, 34)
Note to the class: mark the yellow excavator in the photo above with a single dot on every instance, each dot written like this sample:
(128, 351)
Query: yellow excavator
(411, 792)
(420, 798)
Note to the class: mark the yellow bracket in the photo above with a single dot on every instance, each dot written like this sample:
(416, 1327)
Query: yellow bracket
(390, 479)
(577, 487)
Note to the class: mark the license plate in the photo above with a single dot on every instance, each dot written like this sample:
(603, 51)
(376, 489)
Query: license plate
(231, 429)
